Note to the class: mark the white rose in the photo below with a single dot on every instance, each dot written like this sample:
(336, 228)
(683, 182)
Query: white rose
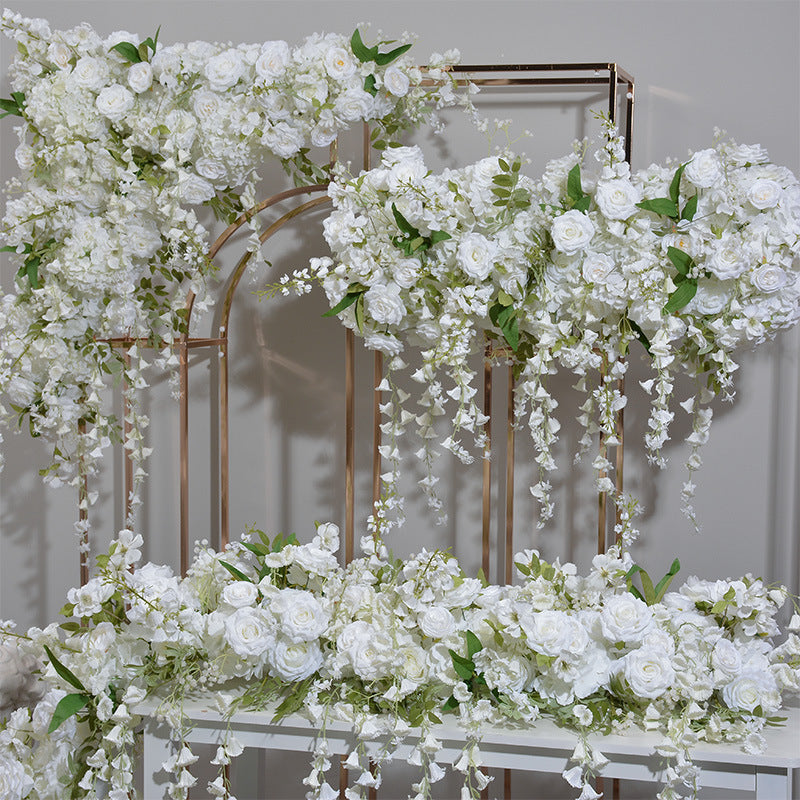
(475, 255)
(571, 232)
(339, 63)
(752, 688)
(300, 615)
(625, 618)
(384, 304)
(648, 672)
(617, 198)
(114, 102)
(142, 241)
(140, 77)
(90, 73)
(596, 267)
(725, 659)
(295, 661)
(283, 140)
(211, 169)
(224, 69)
(192, 189)
(704, 169)
(726, 261)
(711, 299)
(764, 193)
(59, 54)
(396, 81)
(240, 594)
(769, 278)
(437, 622)
(354, 105)
(547, 632)
(405, 272)
(206, 104)
(248, 633)
(21, 390)
(273, 60)
(25, 156)
(15, 782)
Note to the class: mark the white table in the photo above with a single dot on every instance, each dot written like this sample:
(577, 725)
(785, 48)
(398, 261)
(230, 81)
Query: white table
(542, 748)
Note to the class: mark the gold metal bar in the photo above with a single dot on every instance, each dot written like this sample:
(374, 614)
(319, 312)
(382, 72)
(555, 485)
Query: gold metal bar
(629, 99)
(612, 93)
(487, 464)
(224, 448)
(83, 516)
(507, 784)
(573, 66)
(618, 473)
(509, 542)
(349, 447)
(183, 425)
(126, 455)
(376, 430)
(602, 502)
(366, 147)
(343, 778)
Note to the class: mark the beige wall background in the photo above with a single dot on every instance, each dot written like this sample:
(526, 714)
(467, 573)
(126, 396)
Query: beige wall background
(728, 63)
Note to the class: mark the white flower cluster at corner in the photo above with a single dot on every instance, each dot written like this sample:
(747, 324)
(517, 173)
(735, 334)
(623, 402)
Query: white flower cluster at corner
(386, 646)
(689, 260)
(114, 156)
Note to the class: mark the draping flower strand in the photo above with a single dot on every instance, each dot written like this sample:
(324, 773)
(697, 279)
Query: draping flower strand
(688, 261)
(390, 647)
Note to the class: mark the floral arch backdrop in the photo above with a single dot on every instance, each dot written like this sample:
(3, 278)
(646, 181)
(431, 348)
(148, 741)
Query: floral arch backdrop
(471, 653)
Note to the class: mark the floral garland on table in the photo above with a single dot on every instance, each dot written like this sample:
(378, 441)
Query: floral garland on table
(120, 139)
(693, 260)
(386, 646)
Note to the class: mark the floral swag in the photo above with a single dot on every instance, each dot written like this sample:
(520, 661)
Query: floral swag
(119, 139)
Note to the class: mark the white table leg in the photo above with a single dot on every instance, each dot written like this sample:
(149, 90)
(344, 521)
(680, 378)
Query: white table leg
(773, 783)
(157, 748)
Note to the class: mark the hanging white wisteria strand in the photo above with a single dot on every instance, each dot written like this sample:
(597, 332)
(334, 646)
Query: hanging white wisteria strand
(686, 261)
(121, 139)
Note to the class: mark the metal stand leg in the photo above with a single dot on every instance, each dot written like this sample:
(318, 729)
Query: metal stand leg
(157, 749)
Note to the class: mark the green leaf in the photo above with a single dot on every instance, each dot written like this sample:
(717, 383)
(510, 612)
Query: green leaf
(439, 236)
(370, 85)
(62, 671)
(32, 270)
(503, 180)
(681, 296)
(360, 50)
(690, 209)
(128, 51)
(344, 303)
(9, 248)
(504, 298)
(660, 205)
(511, 332)
(10, 107)
(683, 261)
(640, 335)
(402, 223)
(473, 644)
(68, 706)
(663, 584)
(451, 704)
(464, 667)
(675, 186)
(583, 204)
(237, 573)
(294, 700)
(360, 313)
(574, 190)
(503, 165)
(382, 59)
(257, 549)
(647, 587)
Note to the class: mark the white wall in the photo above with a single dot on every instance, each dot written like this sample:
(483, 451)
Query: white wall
(697, 65)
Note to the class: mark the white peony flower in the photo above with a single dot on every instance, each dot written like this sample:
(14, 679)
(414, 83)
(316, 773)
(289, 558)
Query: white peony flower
(224, 69)
(648, 672)
(437, 622)
(764, 194)
(705, 169)
(295, 661)
(769, 278)
(396, 81)
(300, 615)
(140, 77)
(273, 60)
(384, 304)
(617, 198)
(571, 232)
(240, 594)
(625, 618)
(476, 256)
(114, 102)
(248, 633)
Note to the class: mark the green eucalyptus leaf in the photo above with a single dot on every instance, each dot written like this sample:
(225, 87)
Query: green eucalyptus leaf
(237, 573)
(660, 205)
(382, 59)
(67, 707)
(675, 186)
(64, 672)
(128, 51)
(681, 296)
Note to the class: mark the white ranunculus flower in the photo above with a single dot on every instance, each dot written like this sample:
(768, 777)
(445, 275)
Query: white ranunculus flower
(15, 782)
(752, 688)
(140, 77)
(475, 255)
(396, 81)
(354, 105)
(437, 622)
(339, 63)
(764, 193)
(625, 618)
(90, 73)
(114, 102)
(384, 304)
(769, 278)
(272, 62)
(240, 594)
(571, 232)
(648, 672)
(300, 615)
(248, 633)
(597, 267)
(295, 661)
(224, 69)
(705, 169)
(617, 198)
(192, 189)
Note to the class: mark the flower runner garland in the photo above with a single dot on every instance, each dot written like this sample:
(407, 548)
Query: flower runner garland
(120, 141)
(392, 648)
(692, 259)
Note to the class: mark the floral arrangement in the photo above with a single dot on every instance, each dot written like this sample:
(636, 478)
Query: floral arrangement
(692, 260)
(391, 647)
(120, 141)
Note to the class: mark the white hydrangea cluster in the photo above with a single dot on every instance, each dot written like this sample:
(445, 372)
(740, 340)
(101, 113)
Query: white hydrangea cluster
(387, 646)
(120, 140)
(693, 260)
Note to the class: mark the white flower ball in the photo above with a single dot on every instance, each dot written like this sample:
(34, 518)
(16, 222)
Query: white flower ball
(571, 232)
(396, 81)
(384, 304)
(300, 615)
(248, 633)
(295, 661)
(648, 672)
(114, 102)
(437, 622)
(224, 69)
(764, 194)
(240, 594)
(617, 198)
(475, 255)
(273, 60)
(769, 278)
(140, 77)
(705, 169)
(625, 618)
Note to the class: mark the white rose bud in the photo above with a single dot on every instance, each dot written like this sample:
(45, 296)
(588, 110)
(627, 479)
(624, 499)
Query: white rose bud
(571, 232)
(59, 54)
(476, 255)
(90, 73)
(597, 267)
(140, 77)
(240, 594)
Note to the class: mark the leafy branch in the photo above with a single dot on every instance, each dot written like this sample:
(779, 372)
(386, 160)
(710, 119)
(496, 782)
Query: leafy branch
(371, 54)
(670, 206)
(14, 106)
(504, 316)
(412, 242)
(135, 55)
(651, 594)
(576, 197)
